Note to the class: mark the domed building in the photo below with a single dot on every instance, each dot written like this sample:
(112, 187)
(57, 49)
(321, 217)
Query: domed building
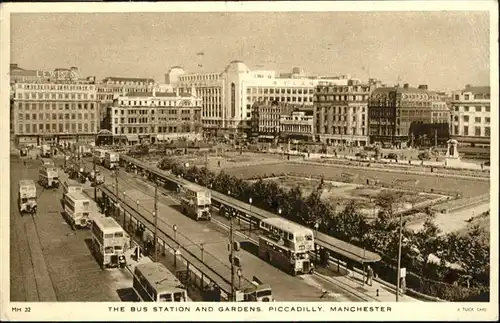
(228, 97)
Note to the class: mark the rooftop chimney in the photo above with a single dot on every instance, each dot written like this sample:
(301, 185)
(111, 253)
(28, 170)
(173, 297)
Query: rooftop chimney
(467, 86)
(423, 87)
(406, 86)
(154, 91)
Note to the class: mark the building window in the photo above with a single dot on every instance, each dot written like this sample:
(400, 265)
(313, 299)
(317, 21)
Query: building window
(466, 118)
(477, 119)
(487, 131)
(487, 119)
(466, 130)
(466, 97)
(477, 131)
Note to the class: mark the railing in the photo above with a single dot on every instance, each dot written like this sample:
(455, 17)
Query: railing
(208, 272)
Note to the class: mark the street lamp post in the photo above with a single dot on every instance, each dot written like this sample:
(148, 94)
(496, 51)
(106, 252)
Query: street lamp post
(239, 273)
(250, 216)
(124, 217)
(175, 233)
(399, 254)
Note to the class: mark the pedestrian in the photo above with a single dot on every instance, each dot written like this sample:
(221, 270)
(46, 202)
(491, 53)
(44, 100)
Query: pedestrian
(369, 275)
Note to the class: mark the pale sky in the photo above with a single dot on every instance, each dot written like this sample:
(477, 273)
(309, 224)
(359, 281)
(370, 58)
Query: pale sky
(445, 50)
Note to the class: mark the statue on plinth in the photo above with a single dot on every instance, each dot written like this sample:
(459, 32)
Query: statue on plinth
(452, 151)
(452, 156)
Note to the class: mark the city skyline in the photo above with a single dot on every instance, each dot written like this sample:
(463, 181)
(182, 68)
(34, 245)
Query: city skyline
(364, 44)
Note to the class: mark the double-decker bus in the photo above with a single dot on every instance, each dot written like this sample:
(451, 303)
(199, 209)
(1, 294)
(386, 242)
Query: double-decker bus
(109, 242)
(77, 209)
(48, 176)
(196, 202)
(47, 162)
(286, 245)
(153, 282)
(27, 196)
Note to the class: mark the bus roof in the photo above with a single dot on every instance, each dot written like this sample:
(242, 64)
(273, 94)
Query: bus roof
(160, 278)
(107, 223)
(194, 187)
(78, 196)
(26, 182)
(286, 225)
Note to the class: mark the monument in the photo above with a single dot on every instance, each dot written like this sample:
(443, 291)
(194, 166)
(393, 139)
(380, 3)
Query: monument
(452, 156)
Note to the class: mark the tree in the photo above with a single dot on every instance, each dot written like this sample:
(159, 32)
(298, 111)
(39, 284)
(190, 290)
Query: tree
(427, 241)
(351, 224)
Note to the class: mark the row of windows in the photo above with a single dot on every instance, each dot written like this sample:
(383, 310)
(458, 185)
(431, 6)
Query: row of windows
(162, 103)
(55, 106)
(139, 83)
(466, 131)
(265, 90)
(342, 118)
(296, 128)
(56, 128)
(152, 111)
(476, 119)
(203, 77)
(341, 131)
(340, 110)
(151, 130)
(56, 116)
(53, 96)
(280, 99)
(341, 98)
(53, 87)
(467, 97)
(471, 109)
(342, 89)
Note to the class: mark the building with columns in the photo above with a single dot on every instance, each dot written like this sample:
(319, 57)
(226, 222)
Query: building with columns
(155, 117)
(470, 115)
(227, 97)
(341, 113)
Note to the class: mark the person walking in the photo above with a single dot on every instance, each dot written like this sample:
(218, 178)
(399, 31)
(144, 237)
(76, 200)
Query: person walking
(369, 275)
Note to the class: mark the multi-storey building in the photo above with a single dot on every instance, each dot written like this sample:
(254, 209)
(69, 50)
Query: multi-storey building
(54, 112)
(470, 115)
(20, 75)
(227, 97)
(341, 113)
(297, 125)
(111, 87)
(394, 111)
(266, 116)
(155, 116)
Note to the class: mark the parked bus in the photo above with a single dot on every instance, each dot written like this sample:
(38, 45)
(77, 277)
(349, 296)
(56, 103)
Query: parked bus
(48, 177)
(77, 209)
(99, 155)
(109, 242)
(27, 196)
(286, 245)
(46, 151)
(47, 162)
(111, 159)
(196, 202)
(153, 282)
(69, 188)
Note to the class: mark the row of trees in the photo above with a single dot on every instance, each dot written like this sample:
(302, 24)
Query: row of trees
(470, 252)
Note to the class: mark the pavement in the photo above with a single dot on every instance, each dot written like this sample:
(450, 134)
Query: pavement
(48, 260)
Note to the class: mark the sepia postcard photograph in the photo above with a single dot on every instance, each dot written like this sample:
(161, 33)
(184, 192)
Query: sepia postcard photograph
(249, 161)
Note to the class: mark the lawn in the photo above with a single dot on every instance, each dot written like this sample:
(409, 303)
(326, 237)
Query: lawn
(340, 194)
(424, 183)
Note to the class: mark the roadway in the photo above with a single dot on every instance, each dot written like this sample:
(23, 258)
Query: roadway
(48, 260)
(191, 234)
